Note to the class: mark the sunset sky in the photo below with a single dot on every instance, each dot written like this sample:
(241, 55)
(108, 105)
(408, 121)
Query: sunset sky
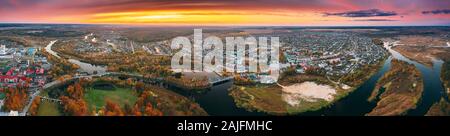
(228, 12)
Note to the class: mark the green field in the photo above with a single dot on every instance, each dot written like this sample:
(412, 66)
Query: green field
(97, 97)
(48, 108)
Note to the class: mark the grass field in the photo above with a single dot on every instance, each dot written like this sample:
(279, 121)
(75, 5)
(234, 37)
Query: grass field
(97, 97)
(269, 99)
(260, 98)
(48, 108)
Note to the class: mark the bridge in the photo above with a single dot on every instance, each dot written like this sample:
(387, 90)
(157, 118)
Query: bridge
(220, 80)
(43, 98)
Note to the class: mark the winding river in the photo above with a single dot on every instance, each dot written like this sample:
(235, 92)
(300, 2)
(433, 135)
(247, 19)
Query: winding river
(433, 87)
(218, 102)
(84, 67)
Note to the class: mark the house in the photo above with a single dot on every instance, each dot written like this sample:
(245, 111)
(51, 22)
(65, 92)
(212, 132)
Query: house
(267, 79)
(3, 50)
(9, 79)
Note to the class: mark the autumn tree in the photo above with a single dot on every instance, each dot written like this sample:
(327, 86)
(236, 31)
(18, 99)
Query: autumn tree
(74, 104)
(139, 87)
(74, 107)
(112, 109)
(144, 106)
(127, 109)
(35, 106)
(15, 99)
(76, 91)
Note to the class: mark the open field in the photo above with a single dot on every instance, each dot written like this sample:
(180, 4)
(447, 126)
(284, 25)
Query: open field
(48, 108)
(308, 91)
(263, 98)
(97, 97)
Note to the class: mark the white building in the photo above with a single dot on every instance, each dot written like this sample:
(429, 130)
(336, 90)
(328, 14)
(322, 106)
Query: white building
(4, 53)
(3, 50)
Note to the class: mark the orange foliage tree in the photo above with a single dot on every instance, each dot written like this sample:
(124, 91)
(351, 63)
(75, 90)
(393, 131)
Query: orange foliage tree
(112, 109)
(34, 106)
(145, 107)
(16, 99)
(73, 104)
(74, 107)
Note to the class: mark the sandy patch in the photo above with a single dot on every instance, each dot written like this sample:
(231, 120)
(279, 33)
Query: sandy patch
(308, 91)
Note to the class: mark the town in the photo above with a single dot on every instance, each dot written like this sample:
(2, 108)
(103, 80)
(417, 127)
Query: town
(22, 67)
(335, 52)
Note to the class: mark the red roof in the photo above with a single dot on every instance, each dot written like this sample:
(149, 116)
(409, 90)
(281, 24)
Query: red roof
(29, 71)
(10, 72)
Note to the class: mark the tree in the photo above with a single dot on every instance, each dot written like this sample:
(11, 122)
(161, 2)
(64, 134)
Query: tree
(144, 106)
(127, 109)
(76, 91)
(35, 106)
(73, 104)
(74, 107)
(112, 109)
(150, 111)
(139, 87)
(15, 98)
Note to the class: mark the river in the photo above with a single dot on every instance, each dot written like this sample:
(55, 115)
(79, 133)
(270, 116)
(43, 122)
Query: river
(84, 67)
(433, 87)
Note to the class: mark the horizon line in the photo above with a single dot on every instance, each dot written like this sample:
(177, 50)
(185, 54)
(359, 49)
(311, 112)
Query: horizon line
(215, 25)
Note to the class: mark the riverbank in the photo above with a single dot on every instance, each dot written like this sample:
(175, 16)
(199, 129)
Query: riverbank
(61, 67)
(422, 49)
(398, 91)
(445, 76)
(442, 108)
(418, 54)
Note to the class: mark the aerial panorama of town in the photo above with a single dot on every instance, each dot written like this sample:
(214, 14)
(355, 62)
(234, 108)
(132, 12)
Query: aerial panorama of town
(109, 70)
(184, 58)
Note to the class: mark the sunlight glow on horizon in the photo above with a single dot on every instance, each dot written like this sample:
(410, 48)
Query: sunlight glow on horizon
(221, 12)
(204, 17)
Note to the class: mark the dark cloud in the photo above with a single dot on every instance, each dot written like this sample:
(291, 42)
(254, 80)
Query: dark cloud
(363, 13)
(439, 11)
(375, 20)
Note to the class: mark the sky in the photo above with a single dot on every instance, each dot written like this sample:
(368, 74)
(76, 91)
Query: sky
(229, 12)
